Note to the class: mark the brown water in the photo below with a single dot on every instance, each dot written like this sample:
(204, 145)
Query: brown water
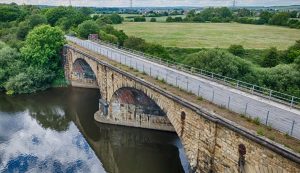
(54, 131)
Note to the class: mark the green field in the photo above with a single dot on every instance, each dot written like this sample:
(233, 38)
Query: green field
(210, 35)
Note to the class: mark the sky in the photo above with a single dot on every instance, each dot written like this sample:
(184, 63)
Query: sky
(156, 3)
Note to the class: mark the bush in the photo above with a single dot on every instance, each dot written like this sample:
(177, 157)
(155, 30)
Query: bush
(153, 19)
(169, 19)
(271, 58)
(135, 43)
(237, 50)
(87, 27)
(139, 19)
(107, 37)
(219, 61)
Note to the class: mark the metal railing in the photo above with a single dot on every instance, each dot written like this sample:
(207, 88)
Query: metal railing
(278, 116)
(292, 101)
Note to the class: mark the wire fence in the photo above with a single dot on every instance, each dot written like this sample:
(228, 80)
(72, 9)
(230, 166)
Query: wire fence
(276, 115)
(270, 94)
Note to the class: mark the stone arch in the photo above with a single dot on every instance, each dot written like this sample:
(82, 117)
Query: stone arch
(83, 71)
(135, 100)
(131, 106)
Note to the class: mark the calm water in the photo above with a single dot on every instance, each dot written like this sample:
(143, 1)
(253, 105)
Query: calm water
(54, 131)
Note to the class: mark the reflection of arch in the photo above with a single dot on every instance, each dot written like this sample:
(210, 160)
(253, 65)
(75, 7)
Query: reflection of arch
(135, 99)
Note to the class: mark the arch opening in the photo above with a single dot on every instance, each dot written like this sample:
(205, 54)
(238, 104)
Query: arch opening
(83, 73)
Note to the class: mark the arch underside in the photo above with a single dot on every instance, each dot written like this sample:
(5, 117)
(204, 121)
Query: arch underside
(131, 107)
(82, 75)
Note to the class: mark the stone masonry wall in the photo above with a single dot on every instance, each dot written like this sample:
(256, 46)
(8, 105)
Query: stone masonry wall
(211, 143)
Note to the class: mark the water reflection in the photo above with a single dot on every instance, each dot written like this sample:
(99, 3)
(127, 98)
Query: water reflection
(54, 131)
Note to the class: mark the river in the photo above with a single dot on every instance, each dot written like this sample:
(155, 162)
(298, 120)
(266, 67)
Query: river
(54, 131)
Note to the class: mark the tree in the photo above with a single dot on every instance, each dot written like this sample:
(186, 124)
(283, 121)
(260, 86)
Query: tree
(87, 27)
(9, 13)
(42, 47)
(36, 19)
(115, 18)
(237, 50)
(169, 19)
(219, 61)
(153, 19)
(265, 16)
(244, 12)
(297, 62)
(271, 58)
(9, 63)
(139, 19)
(135, 43)
(280, 19)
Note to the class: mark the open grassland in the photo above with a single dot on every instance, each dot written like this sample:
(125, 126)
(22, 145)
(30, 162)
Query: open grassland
(210, 35)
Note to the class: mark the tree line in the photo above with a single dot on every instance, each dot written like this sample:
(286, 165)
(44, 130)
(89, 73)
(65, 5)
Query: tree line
(224, 15)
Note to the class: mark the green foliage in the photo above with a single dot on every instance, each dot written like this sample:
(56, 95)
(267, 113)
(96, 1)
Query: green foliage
(222, 14)
(292, 53)
(66, 17)
(271, 58)
(219, 61)
(107, 37)
(109, 19)
(297, 62)
(115, 18)
(9, 63)
(260, 132)
(31, 80)
(139, 19)
(88, 27)
(283, 78)
(265, 16)
(42, 47)
(280, 19)
(141, 45)
(9, 13)
(256, 120)
(36, 19)
(119, 34)
(153, 19)
(135, 43)
(237, 50)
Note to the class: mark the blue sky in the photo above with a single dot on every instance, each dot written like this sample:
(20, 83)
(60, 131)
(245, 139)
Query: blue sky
(145, 3)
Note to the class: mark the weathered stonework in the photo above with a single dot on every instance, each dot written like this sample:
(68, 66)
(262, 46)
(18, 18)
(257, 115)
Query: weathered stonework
(211, 143)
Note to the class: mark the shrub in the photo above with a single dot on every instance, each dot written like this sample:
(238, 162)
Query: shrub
(139, 19)
(87, 27)
(237, 50)
(153, 19)
(271, 58)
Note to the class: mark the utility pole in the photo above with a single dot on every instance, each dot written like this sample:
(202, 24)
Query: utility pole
(70, 2)
(130, 3)
(234, 4)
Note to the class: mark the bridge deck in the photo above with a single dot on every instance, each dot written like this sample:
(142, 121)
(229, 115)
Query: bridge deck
(277, 115)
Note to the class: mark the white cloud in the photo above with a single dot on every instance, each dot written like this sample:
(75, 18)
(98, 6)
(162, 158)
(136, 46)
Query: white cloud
(144, 3)
(48, 146)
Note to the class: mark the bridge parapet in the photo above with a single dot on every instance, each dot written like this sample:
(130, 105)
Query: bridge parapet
(270, 112)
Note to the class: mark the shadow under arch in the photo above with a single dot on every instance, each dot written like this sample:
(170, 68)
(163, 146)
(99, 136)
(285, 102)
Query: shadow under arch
(133, 101)
(83, 73)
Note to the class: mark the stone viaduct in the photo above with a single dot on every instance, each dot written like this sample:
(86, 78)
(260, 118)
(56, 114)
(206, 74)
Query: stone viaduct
(211, 143)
